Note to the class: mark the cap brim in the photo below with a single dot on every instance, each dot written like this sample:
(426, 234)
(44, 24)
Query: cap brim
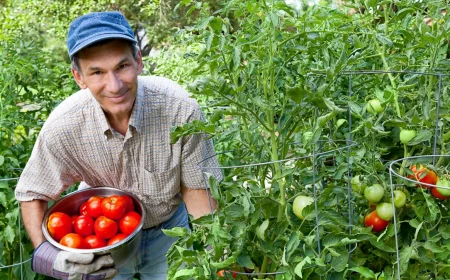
(98, 38)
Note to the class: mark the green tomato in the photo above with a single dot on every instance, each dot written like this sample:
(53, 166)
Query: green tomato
(374, 106)
(399, 198)
(385, 211)
(445, 190)
(374, 193)
(357, 184)
(301, 202)
(406, 135)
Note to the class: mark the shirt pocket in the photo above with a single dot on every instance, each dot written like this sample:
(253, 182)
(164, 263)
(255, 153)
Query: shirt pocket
(161, 185)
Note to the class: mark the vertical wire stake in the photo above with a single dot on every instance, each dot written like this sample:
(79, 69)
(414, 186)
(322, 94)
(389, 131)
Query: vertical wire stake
(395, 226)
(437, 117)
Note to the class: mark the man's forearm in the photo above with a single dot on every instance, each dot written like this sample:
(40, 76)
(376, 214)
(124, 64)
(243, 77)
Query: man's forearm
(197, 203)
(32, 215)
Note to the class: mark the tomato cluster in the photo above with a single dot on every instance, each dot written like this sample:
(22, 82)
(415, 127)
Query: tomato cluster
(102, 221)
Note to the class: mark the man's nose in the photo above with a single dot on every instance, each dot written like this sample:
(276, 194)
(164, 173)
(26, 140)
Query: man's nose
(113, 83)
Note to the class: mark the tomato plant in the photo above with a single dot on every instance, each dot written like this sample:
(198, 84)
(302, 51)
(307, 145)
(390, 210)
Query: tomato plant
(93, 241)
(129, 222)
(73, 240)
(374, 193)
(105, 228)
(114, 207)
(357, 184)
(84, 225)
(59, 224)
(116, 239)
(377, 224)
(300, 202)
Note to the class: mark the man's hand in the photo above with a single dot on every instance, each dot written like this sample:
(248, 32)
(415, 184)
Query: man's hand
(51, 261)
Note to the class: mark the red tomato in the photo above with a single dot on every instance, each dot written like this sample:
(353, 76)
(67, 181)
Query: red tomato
(438, 195)
(105, 228)
(114, 207)
(130, 204)
(93, 241)
(227, 273)
(424, 175)
(129, 222)
(116, 238)
(84, 225)
(73, 240)
(83, 209)
(58, 225)
(74, 217)
(377, 224)
(94, 206)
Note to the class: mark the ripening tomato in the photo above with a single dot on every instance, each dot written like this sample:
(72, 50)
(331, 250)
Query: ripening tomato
(435, 192)
(129, 202)
(424, 175)
(116, 238)
(227, 273)
(83, 209)
(73, 240)
(105, 228)
(94, 242)
(129, 222)
(114, 207)
(377, 224)
(58, 225)
(84, 225)
(94, 206)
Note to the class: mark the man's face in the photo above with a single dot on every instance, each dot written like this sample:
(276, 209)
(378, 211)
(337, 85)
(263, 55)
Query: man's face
(110, 72)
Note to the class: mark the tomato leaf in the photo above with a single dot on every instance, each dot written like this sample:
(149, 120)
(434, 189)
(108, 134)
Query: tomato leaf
(175, 232)
(187, 273)
(364, 271)
(9, 234)
(261, 230)
(299, 267)
(422, 136)
(406, 254)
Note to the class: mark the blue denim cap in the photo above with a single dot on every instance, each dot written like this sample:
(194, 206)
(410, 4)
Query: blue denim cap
(94, 27)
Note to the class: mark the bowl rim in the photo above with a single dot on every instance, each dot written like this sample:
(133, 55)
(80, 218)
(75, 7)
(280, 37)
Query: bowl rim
(105, 249)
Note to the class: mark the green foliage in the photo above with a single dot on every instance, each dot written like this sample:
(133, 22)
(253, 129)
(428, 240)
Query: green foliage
(279, 82)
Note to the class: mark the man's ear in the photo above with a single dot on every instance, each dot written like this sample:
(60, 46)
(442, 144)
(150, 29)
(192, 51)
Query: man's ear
(78, 79)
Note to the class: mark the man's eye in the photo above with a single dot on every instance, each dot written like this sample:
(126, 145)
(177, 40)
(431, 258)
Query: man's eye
(122, 66)
(96, 73)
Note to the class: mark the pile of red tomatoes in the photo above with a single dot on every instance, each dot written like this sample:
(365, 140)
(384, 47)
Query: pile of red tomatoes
(102, 221)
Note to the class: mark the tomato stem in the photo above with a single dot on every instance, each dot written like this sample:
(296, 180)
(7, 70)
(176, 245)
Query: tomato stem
(405, 155)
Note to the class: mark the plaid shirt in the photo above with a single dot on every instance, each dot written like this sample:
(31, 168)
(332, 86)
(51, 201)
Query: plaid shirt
(76, 144)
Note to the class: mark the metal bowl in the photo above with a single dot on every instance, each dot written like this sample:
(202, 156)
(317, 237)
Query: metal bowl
(70, 204)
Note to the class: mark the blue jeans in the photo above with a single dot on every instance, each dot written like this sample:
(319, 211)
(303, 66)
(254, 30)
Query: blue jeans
(150, 262)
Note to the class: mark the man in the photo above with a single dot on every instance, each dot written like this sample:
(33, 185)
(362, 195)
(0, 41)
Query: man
(115, 132)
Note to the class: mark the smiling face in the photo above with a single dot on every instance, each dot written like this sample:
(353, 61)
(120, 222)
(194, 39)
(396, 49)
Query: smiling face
(110, 72)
